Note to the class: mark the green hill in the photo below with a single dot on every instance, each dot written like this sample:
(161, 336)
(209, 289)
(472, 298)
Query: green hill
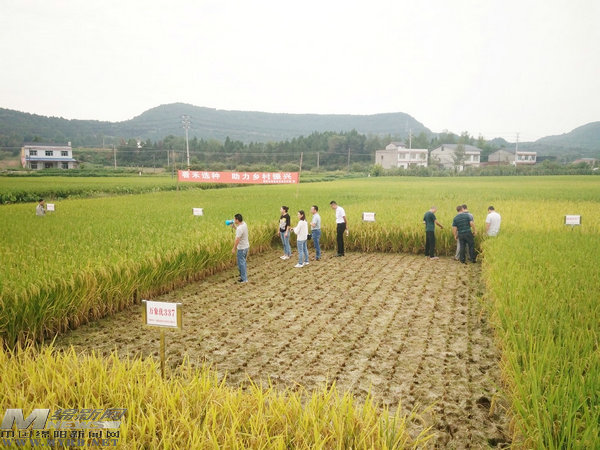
(582, 142)
(206, 123)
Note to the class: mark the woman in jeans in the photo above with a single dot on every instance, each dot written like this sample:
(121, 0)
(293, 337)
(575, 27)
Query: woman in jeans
(284, 232)
(301, 231)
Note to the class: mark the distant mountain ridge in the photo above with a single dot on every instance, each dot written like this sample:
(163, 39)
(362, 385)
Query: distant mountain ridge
(251, 126)
(205, 123)
(583, 141)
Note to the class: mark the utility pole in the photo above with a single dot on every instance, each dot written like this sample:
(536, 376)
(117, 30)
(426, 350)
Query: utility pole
(516, 148)
(186, 125)
(115, 155)
(299, 173)
(348, 159)
(318, 160)
(409, 139)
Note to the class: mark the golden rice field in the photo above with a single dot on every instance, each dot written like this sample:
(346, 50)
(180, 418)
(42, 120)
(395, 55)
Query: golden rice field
(94, 257)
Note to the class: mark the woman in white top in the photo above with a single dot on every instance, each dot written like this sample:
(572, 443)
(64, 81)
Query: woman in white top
(301, 231)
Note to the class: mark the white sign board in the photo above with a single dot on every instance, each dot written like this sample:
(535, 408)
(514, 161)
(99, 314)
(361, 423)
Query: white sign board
(49, 206)
(368, 217)
(162, 314)
(571, 219)
(198, 211)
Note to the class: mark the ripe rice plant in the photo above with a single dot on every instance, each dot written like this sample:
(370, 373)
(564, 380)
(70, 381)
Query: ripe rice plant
(193, 409)
(19, 189)
(544, 293)
(95, 256)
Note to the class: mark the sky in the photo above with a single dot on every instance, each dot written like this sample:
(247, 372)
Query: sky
(490, 68)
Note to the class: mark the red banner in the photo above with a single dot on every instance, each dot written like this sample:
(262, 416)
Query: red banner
(198, 176)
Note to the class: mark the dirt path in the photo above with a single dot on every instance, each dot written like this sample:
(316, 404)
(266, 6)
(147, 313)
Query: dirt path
(399, 326)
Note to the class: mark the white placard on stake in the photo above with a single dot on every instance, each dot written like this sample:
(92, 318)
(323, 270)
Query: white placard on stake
(368, 217)
(572, 219)
(49, 206)
(162, 314)
(198, 211)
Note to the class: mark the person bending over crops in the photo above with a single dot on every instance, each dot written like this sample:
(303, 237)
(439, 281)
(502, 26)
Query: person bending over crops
(463, 228)
(430, 222)
(464, 209)
(39, 209)
(241, 246)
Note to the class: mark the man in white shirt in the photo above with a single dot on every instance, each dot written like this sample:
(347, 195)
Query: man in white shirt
(341, 225)
(492, 222)
(241, 246)
(39, 209)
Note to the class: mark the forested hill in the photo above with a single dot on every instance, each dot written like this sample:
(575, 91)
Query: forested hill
(583, 141)
(207, 123)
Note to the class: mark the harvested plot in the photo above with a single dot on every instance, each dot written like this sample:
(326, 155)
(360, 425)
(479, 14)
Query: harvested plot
(407, 330)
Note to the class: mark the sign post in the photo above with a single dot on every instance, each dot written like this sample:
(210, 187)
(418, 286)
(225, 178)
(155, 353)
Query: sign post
(368, 217)
(572, 220)
(163, 315)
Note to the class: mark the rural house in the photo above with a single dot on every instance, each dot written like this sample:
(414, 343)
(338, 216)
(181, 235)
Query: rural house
(526, 158)
(37, 156)
(501, 157)
(397, 155)
(445, 155)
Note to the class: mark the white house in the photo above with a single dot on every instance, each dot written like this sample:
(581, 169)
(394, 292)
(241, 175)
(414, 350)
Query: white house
(395, 145)
(48, 156)
(445, 155)
(525, 158)
(395, 156)
(501, 156)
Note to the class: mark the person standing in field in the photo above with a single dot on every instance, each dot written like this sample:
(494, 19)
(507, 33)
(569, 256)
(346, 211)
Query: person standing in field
(463, 209)
(492, 222)
(241, 246)
(284, 232)
(464, 231)
(301, 231)
(430, 222)
(39, 209)
(315, 225)
(341, 225)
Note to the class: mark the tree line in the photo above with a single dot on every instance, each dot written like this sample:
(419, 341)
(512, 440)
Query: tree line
(318, 151)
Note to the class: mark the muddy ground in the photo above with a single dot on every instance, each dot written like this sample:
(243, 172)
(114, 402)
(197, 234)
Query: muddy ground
(402, 327)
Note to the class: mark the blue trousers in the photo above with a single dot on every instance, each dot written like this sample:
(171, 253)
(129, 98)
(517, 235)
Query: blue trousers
(302, 252)
(241, 263)
(287, 250)
(316, 236)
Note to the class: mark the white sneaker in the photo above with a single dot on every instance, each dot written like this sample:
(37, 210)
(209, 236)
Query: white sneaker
(306, 263)
(285, 257)
(299, 265)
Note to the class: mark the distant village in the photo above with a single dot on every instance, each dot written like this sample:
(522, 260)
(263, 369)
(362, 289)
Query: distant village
(454, 156)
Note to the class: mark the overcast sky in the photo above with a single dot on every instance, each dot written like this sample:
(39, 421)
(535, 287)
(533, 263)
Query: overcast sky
(487, 67)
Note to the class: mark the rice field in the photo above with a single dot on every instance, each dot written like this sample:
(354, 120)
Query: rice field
(94, 257)
(19, 189)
